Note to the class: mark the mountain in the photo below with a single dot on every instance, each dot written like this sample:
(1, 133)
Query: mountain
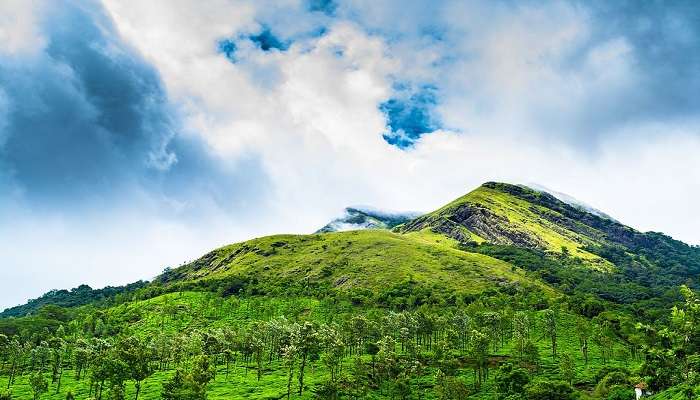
(576, 250)
(356, 218)
(563, 249)
(506, 277)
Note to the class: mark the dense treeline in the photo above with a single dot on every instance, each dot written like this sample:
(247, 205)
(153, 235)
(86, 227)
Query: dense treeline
(638, 285)
(79, 296)
(494, 347)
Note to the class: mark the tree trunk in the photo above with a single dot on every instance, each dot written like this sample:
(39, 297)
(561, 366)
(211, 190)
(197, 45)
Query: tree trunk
(301, 374)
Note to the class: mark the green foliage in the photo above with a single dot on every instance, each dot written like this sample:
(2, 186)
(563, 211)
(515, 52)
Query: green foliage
(183, 387)
(39, 384)
(511, 381)
(549, 390)
(567, 368)
(56, 300)
(620, 393)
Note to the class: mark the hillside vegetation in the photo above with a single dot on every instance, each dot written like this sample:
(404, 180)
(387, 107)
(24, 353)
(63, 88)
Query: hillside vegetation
(370, 263)
(505, 293)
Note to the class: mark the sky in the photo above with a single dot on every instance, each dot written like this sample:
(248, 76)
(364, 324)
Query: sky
(136, 136)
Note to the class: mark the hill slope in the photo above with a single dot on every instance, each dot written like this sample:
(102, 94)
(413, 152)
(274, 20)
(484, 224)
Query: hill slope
(367, 260)
(506, 214)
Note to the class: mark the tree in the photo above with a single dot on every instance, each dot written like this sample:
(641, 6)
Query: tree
(511, 380)
(521, 331)
(290, 355)
(137, 356)
(57, 346)
(334, 349)
(583, 329)
(39, 384)
(202, 370)
(531, 354)
(81, 353)
(602, 336)
(567, 368)
(549, 390)
(182, 387)
(305, 339)
(387, 362)
(358, 378)
(16, 353)
(478, 350)
(550, 329)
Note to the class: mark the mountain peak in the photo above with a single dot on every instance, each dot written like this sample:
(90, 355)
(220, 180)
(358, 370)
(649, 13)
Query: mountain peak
(509, 214)
(356, 218)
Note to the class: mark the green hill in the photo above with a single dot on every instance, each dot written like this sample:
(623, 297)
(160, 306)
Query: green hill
(504, 293)
(375, 262)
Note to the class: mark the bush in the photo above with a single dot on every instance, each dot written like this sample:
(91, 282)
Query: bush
(620, 393)
(549, 390)
(510, 381)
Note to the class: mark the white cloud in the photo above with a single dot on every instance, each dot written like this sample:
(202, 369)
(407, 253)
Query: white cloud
(19, 27)
(513, 82)
(318, 130)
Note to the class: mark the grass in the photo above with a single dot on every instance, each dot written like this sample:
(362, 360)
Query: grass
(367, 259)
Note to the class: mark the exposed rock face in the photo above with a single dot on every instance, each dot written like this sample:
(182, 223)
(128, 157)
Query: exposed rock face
(459, 222)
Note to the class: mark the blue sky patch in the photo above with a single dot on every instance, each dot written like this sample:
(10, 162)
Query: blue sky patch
(228, 48)
(410, 115)
(327, 7)
(267, 41)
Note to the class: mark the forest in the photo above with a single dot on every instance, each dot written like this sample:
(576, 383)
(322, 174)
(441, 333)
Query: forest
(198, 344)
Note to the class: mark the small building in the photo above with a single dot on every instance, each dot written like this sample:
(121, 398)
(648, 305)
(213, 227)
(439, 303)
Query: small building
(640, 390)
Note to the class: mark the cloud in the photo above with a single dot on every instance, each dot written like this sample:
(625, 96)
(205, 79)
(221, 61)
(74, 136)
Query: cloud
(19, 20)
(85, 112)
(161, 125)
(90, 142)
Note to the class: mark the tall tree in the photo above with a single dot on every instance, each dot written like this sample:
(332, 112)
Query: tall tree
(39, 384)
(550, 329)
(584, 331)
(305, 338)
(137, 355)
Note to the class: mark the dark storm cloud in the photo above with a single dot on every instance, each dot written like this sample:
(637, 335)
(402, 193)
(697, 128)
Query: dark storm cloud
(665, 38)
(87, 118)
(662, 80)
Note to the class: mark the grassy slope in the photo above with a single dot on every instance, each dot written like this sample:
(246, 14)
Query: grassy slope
(370, 259)
(514, 217)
